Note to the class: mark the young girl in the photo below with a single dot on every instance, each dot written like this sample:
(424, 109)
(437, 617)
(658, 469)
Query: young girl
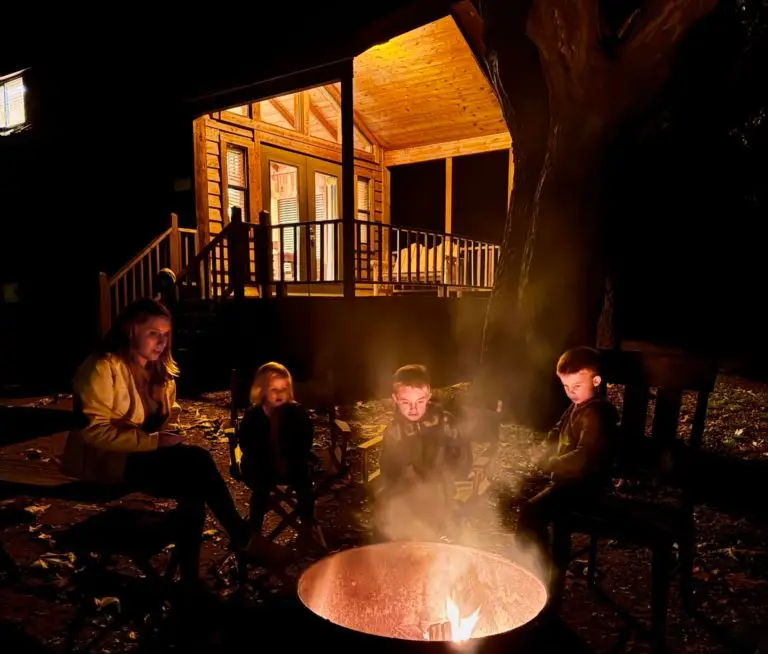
(276, 437)
(126, 392)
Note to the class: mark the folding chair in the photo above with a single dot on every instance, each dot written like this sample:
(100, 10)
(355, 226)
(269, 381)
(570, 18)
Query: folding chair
(317, 395)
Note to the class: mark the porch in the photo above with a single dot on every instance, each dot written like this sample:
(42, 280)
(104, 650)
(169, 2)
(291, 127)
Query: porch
(296, 191)
(303, 259)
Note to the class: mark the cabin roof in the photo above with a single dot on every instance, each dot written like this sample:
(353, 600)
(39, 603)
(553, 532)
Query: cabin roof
(425, 87)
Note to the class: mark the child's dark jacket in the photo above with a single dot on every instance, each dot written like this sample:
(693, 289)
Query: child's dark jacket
(286, 450)
(434, 447)
(584, 440)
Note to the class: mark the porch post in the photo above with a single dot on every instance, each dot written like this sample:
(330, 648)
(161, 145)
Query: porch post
(348, 180)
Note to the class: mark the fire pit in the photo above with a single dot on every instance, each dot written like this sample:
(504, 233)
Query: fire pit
(415, 595)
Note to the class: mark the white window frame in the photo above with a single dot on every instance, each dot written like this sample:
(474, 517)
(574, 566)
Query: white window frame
(5, 109)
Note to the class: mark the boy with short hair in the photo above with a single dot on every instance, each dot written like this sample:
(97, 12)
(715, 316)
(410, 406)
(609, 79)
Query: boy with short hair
(423, 452)
(577, 451)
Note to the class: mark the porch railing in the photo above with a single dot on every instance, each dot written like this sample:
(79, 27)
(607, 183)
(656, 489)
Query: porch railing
(306, 258)
(386, 257)
(302, 258)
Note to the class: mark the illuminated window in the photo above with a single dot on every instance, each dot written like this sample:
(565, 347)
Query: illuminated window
(362, 143)
(237, 181)
(242, 110)
(12, 106)
(323, 115)
(280, 111)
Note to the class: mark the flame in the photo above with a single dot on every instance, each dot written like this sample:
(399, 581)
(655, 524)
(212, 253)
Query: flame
(461, 628)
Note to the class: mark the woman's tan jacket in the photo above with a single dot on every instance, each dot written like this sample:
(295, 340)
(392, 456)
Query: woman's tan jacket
(105, 391)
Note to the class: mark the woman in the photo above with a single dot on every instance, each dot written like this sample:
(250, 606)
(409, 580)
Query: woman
(276, 437)
(126, 393)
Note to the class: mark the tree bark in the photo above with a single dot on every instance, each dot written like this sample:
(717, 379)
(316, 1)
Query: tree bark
(569, 80)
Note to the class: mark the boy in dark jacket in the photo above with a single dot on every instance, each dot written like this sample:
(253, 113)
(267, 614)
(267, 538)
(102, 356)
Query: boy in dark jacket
(423, 453)
(577, 451)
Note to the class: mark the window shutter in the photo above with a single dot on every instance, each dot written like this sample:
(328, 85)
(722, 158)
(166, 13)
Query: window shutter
(236, 167)
(237, 181)
(363, 198)
(288, 214)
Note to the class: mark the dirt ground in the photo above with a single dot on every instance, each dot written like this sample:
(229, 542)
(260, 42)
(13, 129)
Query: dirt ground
(731, 579)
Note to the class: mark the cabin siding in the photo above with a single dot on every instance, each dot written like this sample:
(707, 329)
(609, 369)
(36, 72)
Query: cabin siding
(225, 127)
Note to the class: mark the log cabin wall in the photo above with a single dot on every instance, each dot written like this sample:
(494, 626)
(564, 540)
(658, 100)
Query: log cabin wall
(304, 123)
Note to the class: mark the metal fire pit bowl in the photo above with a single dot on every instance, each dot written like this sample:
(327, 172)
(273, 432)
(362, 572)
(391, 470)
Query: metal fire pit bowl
(392, 597)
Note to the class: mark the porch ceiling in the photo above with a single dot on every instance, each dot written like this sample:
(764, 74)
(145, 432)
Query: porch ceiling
(425, 87)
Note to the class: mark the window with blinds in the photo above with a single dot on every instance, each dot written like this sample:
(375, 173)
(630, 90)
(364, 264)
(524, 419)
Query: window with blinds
(12, 107)
(237, 180)
(363, 205)
(284, 207)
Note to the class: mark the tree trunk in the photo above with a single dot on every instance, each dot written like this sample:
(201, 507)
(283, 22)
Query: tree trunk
(568, 78)
(525, 104)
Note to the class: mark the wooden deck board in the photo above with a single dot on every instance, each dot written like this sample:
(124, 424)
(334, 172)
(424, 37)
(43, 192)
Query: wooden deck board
(33, 473)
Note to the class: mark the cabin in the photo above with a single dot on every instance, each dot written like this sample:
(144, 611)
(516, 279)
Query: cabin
(303, 195)
(281, 162)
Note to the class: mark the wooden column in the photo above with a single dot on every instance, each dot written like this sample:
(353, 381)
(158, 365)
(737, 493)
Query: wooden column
(510, 176)
(448, 195)
(201, 181)
(348, 180)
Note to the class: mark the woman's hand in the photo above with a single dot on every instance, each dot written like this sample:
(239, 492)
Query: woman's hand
(167, 439)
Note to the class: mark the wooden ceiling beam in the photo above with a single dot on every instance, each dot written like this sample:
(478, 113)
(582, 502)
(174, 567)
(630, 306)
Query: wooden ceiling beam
(473, 145)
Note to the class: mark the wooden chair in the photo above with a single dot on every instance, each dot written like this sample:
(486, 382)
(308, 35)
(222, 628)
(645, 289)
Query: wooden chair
(663, 460)
(317, 395)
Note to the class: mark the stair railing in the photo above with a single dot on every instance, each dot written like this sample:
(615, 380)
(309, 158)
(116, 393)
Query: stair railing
(173, 250)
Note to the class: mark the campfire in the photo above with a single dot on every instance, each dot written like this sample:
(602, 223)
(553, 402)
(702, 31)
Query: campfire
(421, 591)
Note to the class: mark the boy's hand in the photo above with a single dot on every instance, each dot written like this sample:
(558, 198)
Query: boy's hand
(544, 461)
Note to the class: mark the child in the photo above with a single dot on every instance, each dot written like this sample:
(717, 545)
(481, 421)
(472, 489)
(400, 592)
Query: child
(577, 451)
(276, 437)
(423, 452)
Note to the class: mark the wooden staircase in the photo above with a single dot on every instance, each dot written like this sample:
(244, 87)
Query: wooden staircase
(173, 250)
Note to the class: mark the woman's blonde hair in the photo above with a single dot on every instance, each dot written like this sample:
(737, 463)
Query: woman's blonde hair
(262, 377)
(119, 338)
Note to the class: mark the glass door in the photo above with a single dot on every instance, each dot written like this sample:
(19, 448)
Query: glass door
(325, 241)
(301, 193)
(284, 189)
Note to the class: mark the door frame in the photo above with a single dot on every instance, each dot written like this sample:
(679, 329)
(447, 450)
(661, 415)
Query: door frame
(307, 166)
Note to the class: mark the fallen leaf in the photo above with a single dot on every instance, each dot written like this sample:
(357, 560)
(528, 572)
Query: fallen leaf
(37, 509)
(103, 602)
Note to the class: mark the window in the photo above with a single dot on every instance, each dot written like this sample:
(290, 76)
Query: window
(280, 111)
(323, 115)
(363, 205)
(242, 110)
(237, 180)
(362, 143)
(12, 106)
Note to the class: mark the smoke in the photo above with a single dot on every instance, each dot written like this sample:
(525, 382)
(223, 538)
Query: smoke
(424, 512)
